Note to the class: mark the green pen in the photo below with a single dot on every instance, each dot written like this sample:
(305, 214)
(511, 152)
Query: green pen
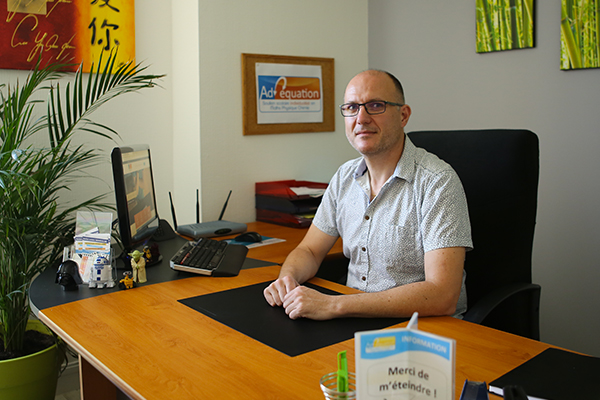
(342, 372)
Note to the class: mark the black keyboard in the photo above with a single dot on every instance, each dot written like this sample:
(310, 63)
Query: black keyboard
(209, 257)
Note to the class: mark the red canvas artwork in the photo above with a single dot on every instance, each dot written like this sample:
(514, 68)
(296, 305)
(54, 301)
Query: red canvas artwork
(65, 31)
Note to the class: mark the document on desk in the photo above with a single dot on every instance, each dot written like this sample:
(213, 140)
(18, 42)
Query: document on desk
(246, 310)
(554, 374)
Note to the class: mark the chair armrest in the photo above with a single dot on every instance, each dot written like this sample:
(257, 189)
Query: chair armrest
(488, 303)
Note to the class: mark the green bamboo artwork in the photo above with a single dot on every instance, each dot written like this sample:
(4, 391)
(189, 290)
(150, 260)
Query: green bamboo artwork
(580, 34)
(504, 25)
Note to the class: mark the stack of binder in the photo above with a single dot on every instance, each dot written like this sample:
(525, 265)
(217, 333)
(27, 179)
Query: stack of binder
(290, 203)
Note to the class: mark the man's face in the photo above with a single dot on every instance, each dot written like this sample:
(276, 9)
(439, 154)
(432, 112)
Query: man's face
(375, 134)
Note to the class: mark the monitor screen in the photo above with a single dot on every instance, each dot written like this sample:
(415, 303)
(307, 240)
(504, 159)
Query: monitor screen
(134, 192)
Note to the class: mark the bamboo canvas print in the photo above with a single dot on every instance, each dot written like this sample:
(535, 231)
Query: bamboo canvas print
(504, 25)
(579, 34)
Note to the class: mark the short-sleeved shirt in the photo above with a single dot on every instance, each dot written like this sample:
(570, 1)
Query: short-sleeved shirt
(422, 207)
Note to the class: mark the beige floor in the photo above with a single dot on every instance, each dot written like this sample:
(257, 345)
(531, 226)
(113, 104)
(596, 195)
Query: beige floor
(68, 383)
(73, 395)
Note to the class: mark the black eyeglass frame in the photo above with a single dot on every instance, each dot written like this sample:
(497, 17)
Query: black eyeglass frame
(366, 109)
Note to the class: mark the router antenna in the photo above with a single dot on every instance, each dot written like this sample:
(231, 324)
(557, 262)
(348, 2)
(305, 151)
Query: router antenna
(173, 211)
(225, 206)
(197, 207)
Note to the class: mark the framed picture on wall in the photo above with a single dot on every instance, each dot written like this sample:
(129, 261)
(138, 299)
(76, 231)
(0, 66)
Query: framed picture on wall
(580, 34)
(504, 25)
(286, 94)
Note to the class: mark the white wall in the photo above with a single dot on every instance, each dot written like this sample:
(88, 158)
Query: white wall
(430, 46)
(186, 110)
(311, 28)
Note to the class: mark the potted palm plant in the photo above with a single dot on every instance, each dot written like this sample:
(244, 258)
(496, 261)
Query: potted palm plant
(40, 155)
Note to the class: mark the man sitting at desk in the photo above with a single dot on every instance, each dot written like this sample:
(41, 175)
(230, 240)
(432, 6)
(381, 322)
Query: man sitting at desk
(401, 212)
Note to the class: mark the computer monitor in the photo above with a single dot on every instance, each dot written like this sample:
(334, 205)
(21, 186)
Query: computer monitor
(134, 192)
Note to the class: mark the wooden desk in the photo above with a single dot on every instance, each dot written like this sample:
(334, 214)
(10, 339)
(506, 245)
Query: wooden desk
(278, 252)
(150, 346)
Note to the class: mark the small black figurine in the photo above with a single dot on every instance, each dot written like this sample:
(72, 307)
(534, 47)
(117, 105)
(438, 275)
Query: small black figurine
(68, 276)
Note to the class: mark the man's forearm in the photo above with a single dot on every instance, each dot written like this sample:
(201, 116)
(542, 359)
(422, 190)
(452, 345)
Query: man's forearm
(300, 265)
(423, 297)
(303, 302)
(437, 295)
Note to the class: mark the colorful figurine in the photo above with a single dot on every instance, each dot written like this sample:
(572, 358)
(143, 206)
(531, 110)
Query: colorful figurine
(154, 252)
(101, 276)
(138, 265)
(126, 282)
(147, 254)
(151, 254)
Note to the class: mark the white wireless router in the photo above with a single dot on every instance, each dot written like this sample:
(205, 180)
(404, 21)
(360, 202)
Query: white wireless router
(207, 229)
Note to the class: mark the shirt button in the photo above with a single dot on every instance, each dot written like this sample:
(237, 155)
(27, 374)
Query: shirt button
(363, 248)
(367, 217)
(364, 278)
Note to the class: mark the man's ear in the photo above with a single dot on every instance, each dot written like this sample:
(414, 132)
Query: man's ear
(405, 112)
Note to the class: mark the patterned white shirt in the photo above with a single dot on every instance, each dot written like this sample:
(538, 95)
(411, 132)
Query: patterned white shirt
(422, 207)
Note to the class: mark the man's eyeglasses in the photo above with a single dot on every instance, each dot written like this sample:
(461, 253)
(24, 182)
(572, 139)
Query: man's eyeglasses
(372, 107)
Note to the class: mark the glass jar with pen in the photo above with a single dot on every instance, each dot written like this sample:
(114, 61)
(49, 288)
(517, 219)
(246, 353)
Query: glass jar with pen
(340, 384)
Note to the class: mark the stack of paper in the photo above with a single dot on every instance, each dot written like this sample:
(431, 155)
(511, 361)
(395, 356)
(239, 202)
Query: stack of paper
(92, 242)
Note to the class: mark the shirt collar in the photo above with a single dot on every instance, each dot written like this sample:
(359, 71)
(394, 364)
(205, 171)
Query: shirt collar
(405, 169)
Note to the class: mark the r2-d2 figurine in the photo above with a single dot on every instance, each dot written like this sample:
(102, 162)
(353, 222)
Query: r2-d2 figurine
(101, 275)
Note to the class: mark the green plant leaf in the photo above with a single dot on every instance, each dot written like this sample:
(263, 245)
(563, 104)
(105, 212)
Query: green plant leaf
(38, 161)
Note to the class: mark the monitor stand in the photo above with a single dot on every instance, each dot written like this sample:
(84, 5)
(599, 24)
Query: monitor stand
(164, 231)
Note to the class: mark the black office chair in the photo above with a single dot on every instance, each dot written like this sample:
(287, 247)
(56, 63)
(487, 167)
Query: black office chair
(499, 171)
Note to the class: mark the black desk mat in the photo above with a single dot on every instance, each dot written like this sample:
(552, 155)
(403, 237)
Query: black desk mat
(246, 310)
